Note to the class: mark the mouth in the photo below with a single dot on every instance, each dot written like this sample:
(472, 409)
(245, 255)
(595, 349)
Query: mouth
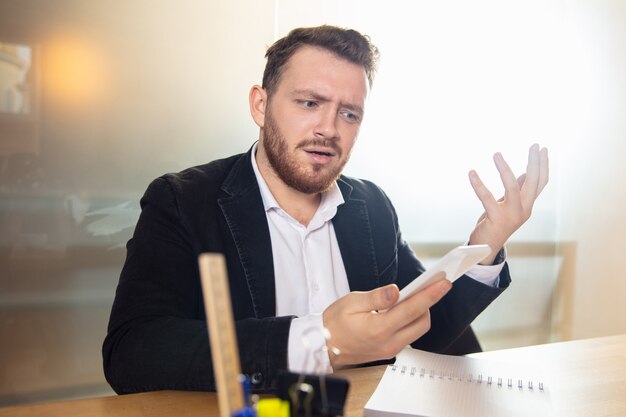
(321, 152)
(320, 156)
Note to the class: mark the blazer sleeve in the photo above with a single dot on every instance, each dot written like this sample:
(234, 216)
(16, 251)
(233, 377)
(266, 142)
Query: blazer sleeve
(157, 336)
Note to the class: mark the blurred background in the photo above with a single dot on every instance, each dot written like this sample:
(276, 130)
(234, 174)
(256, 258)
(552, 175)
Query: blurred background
(98, 98)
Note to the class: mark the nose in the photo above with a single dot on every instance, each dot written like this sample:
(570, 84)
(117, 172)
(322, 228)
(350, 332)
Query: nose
(326, 127)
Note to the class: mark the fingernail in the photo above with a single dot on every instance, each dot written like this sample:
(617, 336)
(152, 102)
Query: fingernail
(444, 287)
(387, 294)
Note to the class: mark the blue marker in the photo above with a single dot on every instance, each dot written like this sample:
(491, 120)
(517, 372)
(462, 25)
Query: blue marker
(247, 410)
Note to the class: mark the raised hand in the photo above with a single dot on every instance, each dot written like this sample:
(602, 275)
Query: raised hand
(504, 216)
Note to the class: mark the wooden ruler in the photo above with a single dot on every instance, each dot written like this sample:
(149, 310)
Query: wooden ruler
(222, 336)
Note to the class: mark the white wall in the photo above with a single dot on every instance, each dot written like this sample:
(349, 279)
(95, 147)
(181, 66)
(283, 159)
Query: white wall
(591, 186)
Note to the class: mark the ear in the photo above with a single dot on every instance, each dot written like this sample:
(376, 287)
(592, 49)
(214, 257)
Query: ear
(258, 103)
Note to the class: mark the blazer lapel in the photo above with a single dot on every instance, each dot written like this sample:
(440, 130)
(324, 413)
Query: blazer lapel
(356, 243)
(243, 210)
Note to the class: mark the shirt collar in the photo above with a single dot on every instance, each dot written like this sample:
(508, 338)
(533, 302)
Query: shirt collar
(331, 198)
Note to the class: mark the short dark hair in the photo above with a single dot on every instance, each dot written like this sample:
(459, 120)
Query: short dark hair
(345, 43)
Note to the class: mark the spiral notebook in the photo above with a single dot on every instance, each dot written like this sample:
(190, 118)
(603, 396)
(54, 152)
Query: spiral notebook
(423, 384)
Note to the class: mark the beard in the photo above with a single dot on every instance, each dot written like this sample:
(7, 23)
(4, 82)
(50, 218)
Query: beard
(304, 178)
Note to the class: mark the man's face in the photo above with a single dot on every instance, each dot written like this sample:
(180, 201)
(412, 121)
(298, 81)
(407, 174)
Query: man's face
(313, 118)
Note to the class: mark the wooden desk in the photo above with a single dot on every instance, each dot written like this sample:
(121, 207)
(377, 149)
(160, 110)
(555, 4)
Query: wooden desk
(589, 380)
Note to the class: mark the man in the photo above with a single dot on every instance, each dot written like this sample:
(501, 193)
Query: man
(306, 248)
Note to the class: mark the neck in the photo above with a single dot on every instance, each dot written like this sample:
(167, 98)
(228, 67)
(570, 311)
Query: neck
(301, 206)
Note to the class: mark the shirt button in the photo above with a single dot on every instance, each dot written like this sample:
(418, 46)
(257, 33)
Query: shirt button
(315, 287)
(256, 378)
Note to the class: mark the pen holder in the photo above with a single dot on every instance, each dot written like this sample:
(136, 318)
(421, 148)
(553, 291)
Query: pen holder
(313, 395)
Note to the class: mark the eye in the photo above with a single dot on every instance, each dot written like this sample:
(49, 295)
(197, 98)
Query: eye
(351, 117)
(308, 103)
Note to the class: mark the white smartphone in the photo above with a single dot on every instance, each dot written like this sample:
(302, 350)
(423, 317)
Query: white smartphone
(453, 264)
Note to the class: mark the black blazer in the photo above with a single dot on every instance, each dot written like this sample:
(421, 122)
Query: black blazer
(157, 335)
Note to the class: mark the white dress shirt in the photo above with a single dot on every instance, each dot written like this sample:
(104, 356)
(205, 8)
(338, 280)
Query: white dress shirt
(309, 273)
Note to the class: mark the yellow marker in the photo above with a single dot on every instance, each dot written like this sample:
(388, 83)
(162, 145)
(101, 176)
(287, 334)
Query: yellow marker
(272, 407)
(224, 350)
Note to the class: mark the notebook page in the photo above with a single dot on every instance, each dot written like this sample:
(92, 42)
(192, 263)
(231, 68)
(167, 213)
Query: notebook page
(431, 385)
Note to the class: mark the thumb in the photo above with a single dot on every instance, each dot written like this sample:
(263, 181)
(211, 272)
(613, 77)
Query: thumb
(376, 299)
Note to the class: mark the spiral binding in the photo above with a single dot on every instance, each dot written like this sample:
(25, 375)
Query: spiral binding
(479, 379)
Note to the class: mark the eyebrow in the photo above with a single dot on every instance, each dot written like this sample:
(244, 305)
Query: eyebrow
(319, 97)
